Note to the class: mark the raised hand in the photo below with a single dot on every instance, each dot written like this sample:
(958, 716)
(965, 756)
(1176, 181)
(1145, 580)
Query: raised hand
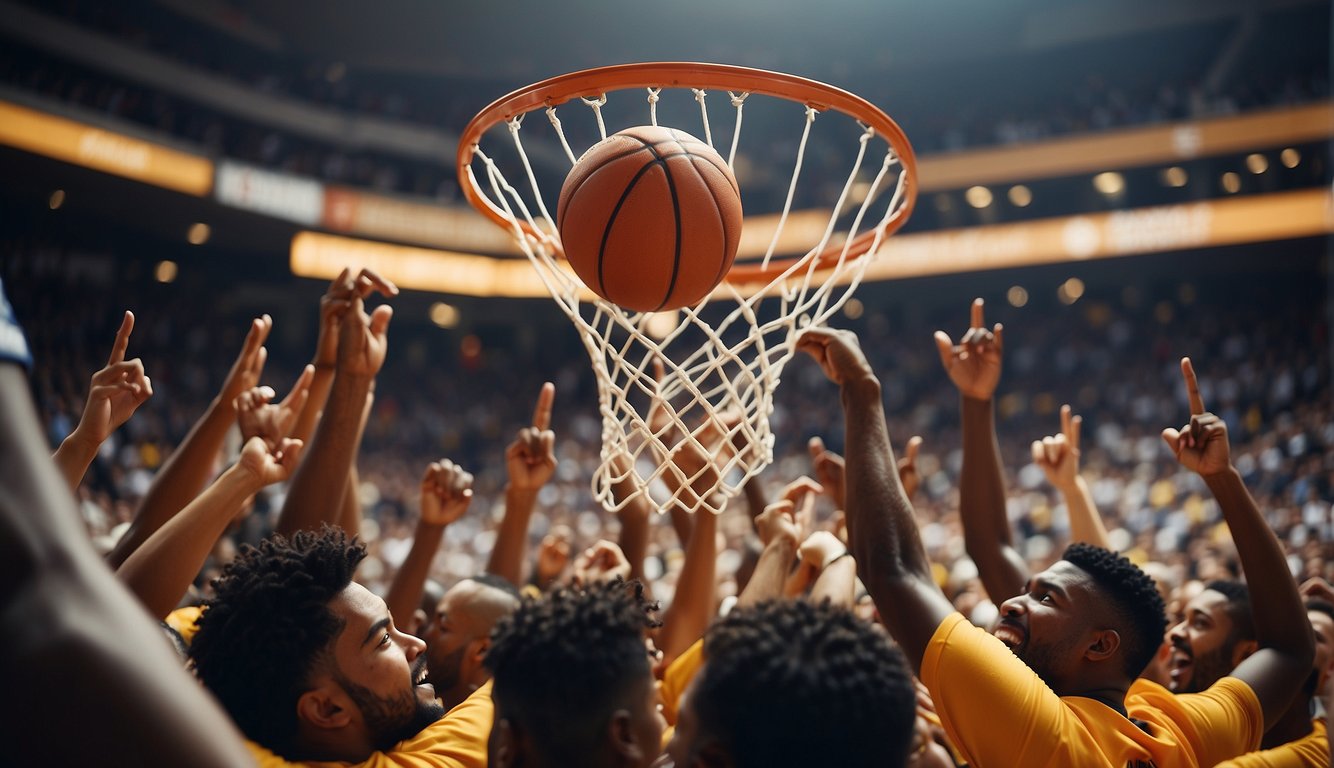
(249, 363)
(974, 365)
(1058, 455)
(604, 561)
(116, 392)
(531, 458)
(1202, 444)
(267, 464)
(838, 353)
(258, 416)
(908, 466)
(820, 549)
(553, 554)
(828, 468)
(335, 303)
(778, 520)
(446, 493)
(363, 339)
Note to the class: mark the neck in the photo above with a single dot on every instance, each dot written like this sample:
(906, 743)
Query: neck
(1293, 725)
(331, 747)
(1113, 696)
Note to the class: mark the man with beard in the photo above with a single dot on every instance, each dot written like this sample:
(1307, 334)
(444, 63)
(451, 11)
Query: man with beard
(1049, 689)
(310, 666)
(1215, 634)
(459, 635)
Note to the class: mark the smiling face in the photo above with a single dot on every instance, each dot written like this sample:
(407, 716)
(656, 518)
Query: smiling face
(1205, 645)
(381, 670)
(1052, 624)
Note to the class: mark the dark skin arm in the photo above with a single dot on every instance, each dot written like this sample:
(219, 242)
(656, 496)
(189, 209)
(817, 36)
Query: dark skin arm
(634, 516)
(530, 461)
(64, 616)
(1286, 645)
(882, 528)
(188, 468)
(446, 492)
(974, 365)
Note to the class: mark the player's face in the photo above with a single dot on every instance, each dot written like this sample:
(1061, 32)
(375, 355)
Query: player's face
(1203, 644)
(683, 749)
(381, 669)
(451, 636)
(1323, 626)
(1049, 626)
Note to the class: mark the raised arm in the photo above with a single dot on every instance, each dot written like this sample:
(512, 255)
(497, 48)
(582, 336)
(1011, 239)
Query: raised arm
(882, 529)
(64, 617)
(160, 571)
(634, 515)
(316, 492)
(777, 529)
(530, 461)
(446, 492)
(115, 393)
(1283, 632)
(693, 605)
(837, 571)
(974, 365)
(1058, 456)
(188, 467)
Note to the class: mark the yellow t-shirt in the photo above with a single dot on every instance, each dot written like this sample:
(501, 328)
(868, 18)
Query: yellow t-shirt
(1310, 751)
(457, 740)
(677, 676)
(998, 712)
(183, 621)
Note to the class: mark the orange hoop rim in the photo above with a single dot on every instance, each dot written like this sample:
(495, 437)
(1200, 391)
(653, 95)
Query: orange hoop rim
(592, 83)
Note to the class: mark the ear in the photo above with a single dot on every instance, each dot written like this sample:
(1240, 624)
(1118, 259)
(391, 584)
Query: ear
(621, 731)
(1243, 649)
(325, 706)
(503, 749)
(1106, 642)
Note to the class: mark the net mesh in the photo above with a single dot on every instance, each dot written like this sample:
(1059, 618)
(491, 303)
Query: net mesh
(685, 397)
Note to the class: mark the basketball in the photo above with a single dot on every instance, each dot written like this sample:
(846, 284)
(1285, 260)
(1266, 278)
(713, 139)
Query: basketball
(650, 218)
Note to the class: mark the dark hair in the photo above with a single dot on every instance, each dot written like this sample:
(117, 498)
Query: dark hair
(563, 664)
(1238, 607)
(268, 625)
(1134, 596)
(787, 682)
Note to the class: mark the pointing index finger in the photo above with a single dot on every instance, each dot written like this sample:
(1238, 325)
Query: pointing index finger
(1192, 387)
(122, 339)
(542, 413)
(977, 314)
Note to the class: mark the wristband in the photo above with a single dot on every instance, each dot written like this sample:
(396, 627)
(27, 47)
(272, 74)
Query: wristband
(846, 553)
(13, 345)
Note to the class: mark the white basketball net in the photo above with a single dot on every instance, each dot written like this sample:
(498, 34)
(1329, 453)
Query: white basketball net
(703, 427)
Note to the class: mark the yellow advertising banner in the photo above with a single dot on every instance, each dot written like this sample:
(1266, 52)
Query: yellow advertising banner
(107, 151)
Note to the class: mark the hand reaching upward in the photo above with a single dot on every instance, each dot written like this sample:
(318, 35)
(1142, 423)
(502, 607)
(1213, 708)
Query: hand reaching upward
(249, 363)
(907, 466)
(838, 353)
(335, 304)
(258, 416)
(269, 464)
(1058, 455)
(531, 458)
(116, 392)
(974, 364)
(1202, 444)
(446, 493)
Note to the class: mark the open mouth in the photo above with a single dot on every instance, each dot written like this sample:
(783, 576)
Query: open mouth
(1179, 666)
(1010, 634)
(419, 676)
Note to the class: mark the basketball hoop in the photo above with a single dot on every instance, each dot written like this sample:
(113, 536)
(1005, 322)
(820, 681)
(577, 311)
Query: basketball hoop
(722, 359)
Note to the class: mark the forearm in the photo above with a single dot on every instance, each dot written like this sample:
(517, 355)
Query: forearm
(755, 500)
(987, 535)
(405, 592)
(766, 582)
(1279, 615)
(320, 384)
(693, 603)
(507, 555)
(73, 458)
(162, 569)
(837, 583)
(315, 495)
(180, 479)
(634, 517)
(349, 511)
(882, 527)
(78, 623)
(1085, 522)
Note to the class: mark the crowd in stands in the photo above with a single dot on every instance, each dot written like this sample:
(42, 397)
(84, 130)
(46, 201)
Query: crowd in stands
(1101, 100)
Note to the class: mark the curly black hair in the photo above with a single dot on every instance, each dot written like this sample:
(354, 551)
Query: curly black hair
(1238, 607)
(268, 626)
(563, 664)
(1134, 596)
(789, 682)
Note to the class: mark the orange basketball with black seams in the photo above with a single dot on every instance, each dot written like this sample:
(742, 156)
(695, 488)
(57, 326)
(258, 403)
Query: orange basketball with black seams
(650, 218)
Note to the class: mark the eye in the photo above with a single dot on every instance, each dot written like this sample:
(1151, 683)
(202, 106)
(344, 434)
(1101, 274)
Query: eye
(384, 640)
(1045, 597)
